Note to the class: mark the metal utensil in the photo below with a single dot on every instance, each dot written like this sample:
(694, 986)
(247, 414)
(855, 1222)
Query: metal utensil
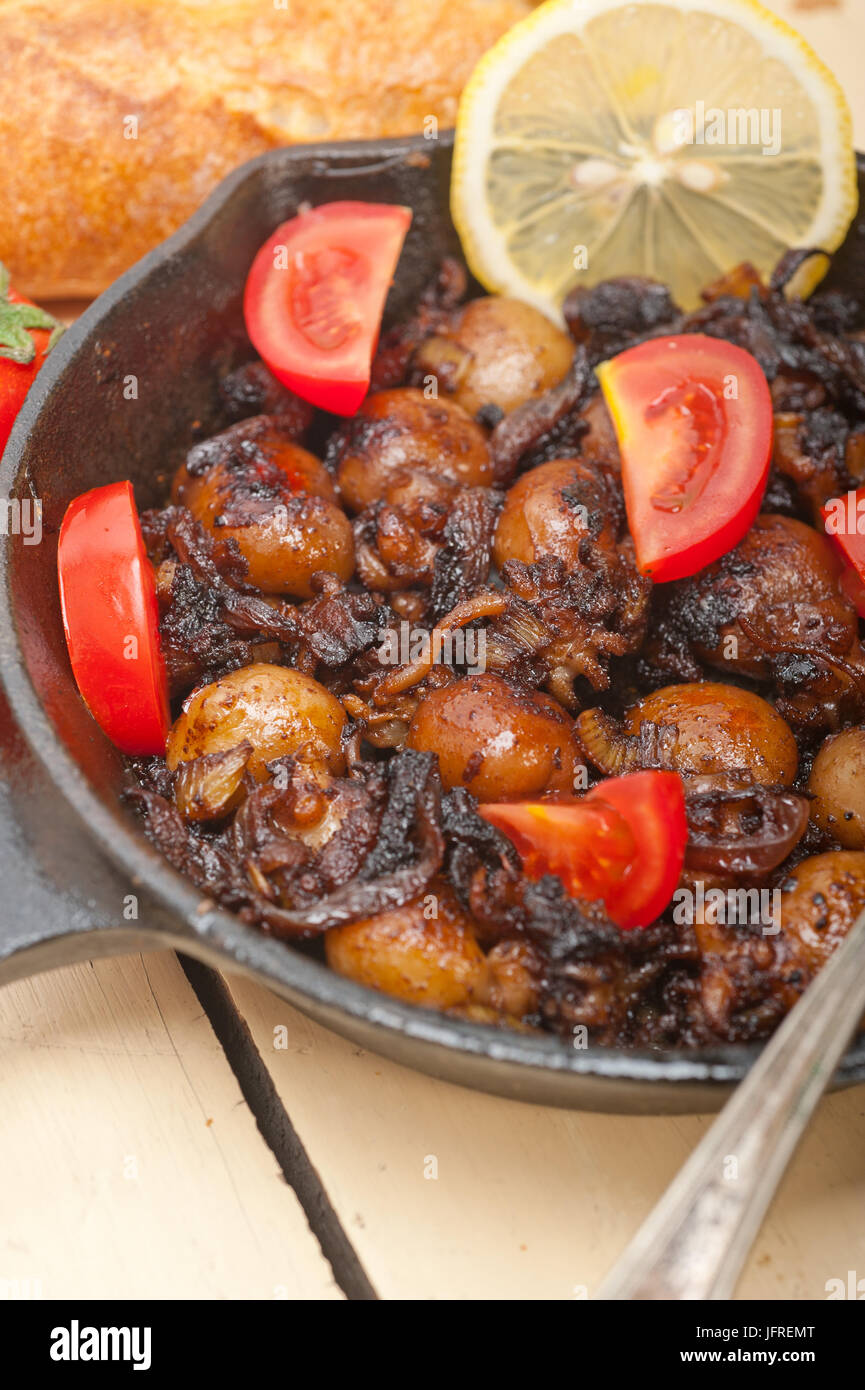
(694, 1243)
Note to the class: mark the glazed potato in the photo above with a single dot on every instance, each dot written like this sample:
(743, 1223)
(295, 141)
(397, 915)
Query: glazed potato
(783, 580)
(402, 433)
(499, 742)
(413, 954)
(720, 729)
(277, 501)
(837, 783)
(549, 510)
(279, 711)
(498, 352)
(820, 902)
(303, 471)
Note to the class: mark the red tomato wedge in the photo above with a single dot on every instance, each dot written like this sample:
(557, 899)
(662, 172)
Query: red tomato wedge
(111, 618)
(693, 417)
(844, 524)
(623, 842)
(26, 332)
(315, 296)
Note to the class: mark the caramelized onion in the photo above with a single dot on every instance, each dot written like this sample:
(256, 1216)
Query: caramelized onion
(526, 426)
(820, 655)
(722, 839)
(411, 822)
(489, 603)
(208, 787)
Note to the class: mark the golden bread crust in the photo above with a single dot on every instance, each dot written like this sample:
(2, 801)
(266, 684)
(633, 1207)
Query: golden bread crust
(211, 85)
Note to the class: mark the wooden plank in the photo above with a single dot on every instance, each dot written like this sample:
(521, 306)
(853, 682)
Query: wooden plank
(815, 1231)
(447, 1193)
(130, 1165)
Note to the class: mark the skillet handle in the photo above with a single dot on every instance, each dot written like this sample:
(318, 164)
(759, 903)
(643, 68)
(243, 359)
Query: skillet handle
(694, 1243)
(60, 900)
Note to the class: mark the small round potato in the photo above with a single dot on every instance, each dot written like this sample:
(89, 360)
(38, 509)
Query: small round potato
(550, 510)
(820, 902)
(303, 472)
(278, 503)
(399, 434)
(425, 952)
(837, 783)
(280, 711)
(497, 352)
(720, 729)
(782, 578)
(499, 742)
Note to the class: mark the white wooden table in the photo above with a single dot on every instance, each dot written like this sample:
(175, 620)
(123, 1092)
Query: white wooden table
(131, 1164)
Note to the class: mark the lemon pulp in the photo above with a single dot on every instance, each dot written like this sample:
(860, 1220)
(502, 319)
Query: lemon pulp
(676, 139)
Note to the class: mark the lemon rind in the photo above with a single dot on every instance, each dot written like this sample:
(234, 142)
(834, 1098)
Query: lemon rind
(490, 261)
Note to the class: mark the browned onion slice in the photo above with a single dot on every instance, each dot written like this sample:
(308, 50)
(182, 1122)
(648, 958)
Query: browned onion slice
(782, 818)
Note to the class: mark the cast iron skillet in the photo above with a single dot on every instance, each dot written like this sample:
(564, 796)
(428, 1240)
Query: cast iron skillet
(118, 399)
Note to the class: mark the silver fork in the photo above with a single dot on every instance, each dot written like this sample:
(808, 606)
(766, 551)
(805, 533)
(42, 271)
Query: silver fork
(694, 1243)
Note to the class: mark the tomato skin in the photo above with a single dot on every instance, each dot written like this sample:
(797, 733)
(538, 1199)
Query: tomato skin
(16, 378)
(315, 295)
(695, 457)
(623, 842)
(842, 518)
(108, 596)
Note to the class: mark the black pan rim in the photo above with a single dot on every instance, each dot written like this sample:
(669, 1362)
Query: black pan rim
(297, 975)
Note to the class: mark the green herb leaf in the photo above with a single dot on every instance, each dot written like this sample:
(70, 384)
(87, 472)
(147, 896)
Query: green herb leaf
(31, 316)
(15, 322)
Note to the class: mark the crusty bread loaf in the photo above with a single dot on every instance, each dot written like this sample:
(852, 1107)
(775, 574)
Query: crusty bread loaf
(210, 83)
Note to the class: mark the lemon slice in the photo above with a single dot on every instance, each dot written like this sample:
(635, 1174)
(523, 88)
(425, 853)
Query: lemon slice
(671, 139)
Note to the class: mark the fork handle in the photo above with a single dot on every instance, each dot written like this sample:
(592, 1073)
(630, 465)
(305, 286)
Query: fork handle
(695, 1241)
